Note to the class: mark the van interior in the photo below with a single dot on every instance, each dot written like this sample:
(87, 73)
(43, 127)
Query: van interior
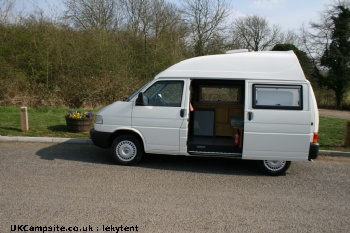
(216, 120)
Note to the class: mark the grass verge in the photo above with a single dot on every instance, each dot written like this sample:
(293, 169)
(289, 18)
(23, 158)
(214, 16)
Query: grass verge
(332, 134)
(42, 123)
(51, 123)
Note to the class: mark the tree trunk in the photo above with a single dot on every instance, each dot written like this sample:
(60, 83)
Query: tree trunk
(339, 96)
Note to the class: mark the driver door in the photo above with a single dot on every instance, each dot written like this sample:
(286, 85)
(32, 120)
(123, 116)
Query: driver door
(162, 116)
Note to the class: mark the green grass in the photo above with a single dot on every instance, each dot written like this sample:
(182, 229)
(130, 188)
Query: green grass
(42, 123)
(332, 134)
(51, 123)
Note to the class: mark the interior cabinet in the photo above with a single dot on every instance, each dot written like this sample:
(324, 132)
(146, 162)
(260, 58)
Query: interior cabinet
(223, 114)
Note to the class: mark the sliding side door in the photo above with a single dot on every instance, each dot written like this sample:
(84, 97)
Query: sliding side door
(277, 121)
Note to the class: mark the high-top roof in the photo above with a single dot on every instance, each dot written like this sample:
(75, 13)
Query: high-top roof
(272, 65)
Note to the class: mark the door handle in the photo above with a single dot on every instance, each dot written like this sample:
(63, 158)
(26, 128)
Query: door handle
(182, 112)
(250, 116)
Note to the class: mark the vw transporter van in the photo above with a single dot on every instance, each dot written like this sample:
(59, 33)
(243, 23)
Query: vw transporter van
(245, 105)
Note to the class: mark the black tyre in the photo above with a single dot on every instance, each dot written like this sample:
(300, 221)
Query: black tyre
(273, 167)
(126, 150)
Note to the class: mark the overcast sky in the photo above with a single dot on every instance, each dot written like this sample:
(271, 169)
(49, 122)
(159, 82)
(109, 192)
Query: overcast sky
(289, 14)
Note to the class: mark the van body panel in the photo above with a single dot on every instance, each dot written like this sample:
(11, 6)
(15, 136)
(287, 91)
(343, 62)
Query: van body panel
(276, 155)
(278, 134)
(314, 112)
(267, 65)
(183, 138)
(115, 116)
(160, 125)
(278, 121)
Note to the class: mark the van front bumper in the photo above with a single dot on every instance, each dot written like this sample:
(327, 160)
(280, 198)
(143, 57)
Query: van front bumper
(313, 152)
(100, 139)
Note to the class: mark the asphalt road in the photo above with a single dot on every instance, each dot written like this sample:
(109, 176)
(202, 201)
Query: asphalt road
(335, 113)
(68, 185)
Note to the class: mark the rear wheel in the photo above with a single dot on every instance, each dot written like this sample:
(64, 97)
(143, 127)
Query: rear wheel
(273, 167)
(126, 150)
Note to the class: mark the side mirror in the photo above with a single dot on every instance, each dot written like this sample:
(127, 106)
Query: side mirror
(139, 100)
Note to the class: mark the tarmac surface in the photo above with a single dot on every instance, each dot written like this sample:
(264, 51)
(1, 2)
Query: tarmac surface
(335, 113)
(78, 185)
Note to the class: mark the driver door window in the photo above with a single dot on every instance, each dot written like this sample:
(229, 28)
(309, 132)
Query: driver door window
(164, 93)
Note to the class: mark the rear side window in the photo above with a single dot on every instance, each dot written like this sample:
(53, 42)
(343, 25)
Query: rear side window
(287, 97)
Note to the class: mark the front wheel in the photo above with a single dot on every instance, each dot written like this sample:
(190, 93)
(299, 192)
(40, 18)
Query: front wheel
(126, 150)
(273, 167)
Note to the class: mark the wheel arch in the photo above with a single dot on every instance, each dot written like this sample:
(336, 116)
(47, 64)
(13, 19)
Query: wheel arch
(132, 132)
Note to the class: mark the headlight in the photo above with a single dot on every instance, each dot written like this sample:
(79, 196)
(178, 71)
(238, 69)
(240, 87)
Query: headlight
(98, 119)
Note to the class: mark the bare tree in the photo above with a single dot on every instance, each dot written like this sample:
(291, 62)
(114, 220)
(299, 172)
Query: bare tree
(154, 27)
(137, 15)
(149, 17)
(255, 33)
(165, 17)
(92, 14)
(5, 8)
(290, 37)
(166, 24)
(205, 21)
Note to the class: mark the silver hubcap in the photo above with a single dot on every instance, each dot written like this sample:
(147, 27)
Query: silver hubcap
(126, 150)
(274, 165)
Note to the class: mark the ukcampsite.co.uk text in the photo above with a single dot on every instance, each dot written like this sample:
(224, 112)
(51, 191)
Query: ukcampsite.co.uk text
(60, 228)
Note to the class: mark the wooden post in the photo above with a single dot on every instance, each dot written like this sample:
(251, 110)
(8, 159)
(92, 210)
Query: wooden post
(347, 135)
(24, 119)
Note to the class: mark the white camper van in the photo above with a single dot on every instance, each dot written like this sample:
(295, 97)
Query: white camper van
(245, 105)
